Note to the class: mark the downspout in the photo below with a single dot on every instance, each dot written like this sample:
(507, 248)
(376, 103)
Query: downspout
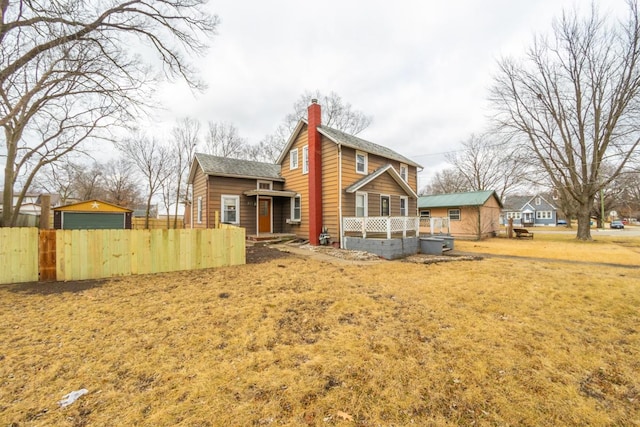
(340, 196)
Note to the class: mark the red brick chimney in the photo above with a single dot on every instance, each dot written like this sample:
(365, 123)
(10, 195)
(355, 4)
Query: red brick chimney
(315, 172)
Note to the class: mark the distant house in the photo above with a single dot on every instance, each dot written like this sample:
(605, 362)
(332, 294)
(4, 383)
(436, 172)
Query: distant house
(322, 176)
(472, 215)
(529, 211)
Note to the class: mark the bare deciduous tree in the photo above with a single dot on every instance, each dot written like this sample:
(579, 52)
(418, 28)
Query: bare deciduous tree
(153, 162)
(186, 136)
(485, 164)
(69, 72)
(223, 139)
(335, 113)
(573, 102)
(446, 181)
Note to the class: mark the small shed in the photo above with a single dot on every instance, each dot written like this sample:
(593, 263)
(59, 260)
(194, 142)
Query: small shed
(91, 214)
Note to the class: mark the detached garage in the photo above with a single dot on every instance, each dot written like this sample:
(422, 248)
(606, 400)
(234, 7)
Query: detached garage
(91, 215)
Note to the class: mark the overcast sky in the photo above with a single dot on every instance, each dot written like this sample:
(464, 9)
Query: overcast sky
(421, 69)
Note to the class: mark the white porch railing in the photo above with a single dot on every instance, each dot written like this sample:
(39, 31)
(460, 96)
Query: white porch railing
(434, 225)
(381, 225)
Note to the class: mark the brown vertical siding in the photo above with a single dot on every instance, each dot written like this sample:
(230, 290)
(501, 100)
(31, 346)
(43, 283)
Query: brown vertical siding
(296, 181)
(330, 188)
(219, 185)
(199, 190)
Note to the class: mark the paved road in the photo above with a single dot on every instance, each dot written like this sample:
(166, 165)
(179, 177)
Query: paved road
(628, 231)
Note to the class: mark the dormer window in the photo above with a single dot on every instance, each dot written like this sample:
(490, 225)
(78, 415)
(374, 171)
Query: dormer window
(361, 162)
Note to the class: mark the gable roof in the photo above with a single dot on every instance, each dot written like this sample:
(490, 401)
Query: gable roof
(373, 175)
(518, 203)
(473, 198)
(224, 166)
(93, 205)
(343, 138)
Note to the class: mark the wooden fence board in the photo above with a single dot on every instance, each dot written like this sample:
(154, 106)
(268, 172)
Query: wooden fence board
(94, 254)
(18, 254)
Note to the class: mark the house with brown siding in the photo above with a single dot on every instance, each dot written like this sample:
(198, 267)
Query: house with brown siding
(322, 176)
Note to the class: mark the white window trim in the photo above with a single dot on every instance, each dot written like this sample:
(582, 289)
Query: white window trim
(199, 211)
(293, 159)
(264, 182)
(405, 175)
(406, 205)
(222, 216)
(305, 159)
(387, 196)
(459, 214)
(293, 204)
(366, 162)
(365, 210)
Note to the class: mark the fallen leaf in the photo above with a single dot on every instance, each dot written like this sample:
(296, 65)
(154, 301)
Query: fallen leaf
(344, 416)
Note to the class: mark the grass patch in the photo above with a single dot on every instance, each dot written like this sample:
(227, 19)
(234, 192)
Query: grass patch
(295, 341)
(605, 249)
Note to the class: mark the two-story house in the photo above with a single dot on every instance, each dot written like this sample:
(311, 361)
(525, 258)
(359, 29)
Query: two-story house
(322, 176)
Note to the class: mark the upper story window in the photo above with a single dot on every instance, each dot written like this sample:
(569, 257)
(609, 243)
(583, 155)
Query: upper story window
(265, 185)
(305, 159)
(404, 172)
(293, 159)
(361, 162)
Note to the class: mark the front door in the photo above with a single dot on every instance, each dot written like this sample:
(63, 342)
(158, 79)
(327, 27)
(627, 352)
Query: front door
(264, 216)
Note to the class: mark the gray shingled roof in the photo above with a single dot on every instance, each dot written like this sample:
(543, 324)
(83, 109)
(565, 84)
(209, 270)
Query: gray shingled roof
(516, 203)
(223, 166)
(364, 145)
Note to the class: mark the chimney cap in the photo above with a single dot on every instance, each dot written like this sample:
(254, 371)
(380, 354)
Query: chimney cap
(314, 101)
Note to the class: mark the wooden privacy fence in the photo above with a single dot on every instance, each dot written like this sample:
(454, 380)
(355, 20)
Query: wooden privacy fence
(28, 255)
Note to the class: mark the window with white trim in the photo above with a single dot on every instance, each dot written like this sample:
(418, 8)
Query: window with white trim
(404, 206)
(454, 214)
(230, 209)
(199, 214)
(385, 205)
(361, 162)
(293, 159)
(305, 159)
(543, 214)
(361, 204)
(265, 185)
(404, 172)
(425, 214)
(296, 208)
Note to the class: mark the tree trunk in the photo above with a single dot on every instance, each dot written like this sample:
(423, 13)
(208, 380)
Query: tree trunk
(584, 220)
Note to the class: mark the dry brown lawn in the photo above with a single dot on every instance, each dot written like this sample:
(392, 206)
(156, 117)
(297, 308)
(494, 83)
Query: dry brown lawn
(301, 341)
